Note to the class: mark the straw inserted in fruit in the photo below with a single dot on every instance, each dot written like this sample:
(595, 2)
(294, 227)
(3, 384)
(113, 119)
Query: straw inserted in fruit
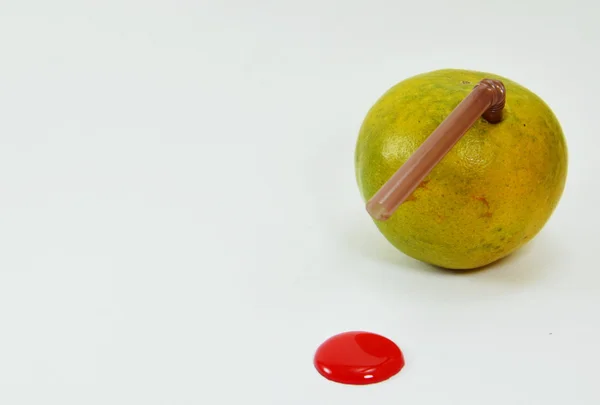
(487, 99)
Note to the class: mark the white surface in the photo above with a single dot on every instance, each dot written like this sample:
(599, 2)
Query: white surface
(131, 273)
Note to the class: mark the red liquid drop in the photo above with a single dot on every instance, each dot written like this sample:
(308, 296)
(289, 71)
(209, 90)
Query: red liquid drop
(358, 358)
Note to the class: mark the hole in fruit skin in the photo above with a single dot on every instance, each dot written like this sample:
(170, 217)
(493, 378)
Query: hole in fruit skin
(465, 82)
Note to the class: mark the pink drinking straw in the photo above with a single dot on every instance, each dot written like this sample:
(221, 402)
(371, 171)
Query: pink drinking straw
(487, 100)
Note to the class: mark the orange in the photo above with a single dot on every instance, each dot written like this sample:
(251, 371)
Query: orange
(492, 193)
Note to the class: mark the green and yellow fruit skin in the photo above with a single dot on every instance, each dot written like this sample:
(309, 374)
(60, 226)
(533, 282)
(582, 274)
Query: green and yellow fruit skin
(491, 194)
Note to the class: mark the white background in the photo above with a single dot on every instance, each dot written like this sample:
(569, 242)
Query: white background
(180, 223)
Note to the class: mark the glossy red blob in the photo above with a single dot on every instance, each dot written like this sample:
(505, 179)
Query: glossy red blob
(358, 358)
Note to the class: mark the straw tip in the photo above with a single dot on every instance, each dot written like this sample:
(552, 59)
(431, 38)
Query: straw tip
(498, 99)
(377, 211)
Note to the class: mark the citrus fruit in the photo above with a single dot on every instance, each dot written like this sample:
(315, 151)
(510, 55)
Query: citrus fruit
(491, 194)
